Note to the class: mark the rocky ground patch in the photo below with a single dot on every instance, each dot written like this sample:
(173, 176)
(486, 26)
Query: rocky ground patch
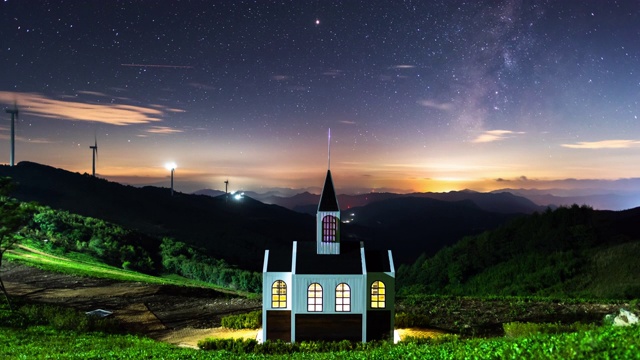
(158, 311)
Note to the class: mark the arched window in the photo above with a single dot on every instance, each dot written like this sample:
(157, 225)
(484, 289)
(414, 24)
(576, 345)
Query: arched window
(279, 294)
(378, 295)
(343, 298)
(314, 297)
(329, 228)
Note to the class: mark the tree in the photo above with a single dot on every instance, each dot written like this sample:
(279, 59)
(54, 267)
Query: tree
(12, 218)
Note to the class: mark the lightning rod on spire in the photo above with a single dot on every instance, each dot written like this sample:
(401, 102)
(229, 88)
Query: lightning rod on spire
(329, 151)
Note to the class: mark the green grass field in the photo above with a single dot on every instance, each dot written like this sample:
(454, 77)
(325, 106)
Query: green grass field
(43, 342)
(30, 339)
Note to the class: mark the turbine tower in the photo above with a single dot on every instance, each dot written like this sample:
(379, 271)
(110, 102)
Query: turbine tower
(94, 150)
(226, 187)
(14, 116)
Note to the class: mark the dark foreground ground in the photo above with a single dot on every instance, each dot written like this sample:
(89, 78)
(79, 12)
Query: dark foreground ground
(158, 310)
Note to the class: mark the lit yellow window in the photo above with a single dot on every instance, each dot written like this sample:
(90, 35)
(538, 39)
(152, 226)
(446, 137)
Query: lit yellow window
(343, 298)
(279, 294)
(378, 295)
(314, 297)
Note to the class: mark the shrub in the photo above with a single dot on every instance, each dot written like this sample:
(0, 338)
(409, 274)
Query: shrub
(278, 347)
(251, 320)
(237, 346)
(519, 329)
(64, 319)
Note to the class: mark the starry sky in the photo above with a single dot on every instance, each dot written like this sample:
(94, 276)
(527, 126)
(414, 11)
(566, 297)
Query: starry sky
(419, 95)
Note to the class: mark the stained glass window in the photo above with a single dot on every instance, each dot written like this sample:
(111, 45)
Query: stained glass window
(329, 228)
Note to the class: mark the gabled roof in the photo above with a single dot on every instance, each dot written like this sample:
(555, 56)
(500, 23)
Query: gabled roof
(348, 262)
(328, 199)
(308, 261)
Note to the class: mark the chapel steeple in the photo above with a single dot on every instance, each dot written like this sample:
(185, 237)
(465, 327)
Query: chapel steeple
(328, 216)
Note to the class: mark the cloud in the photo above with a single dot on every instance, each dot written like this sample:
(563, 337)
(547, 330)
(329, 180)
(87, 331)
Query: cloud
(280, 77)
(167, 66)
(95, 93)
(435, 105)
(603, 144)
(163, 130)
(18, 138)
(162, 107)
(495, 135)
(347, 122)
(333, 72)
(115, 114)
(202, 86)
(403, 66)
(521, 179)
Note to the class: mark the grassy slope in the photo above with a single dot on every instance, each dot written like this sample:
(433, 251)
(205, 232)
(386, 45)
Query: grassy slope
(569, 252)
(615, 270)
(82, 265)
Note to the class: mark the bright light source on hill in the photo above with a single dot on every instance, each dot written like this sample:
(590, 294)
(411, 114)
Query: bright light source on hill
(238, 196)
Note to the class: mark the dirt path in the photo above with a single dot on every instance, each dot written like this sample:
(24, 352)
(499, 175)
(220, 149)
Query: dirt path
(169, 313)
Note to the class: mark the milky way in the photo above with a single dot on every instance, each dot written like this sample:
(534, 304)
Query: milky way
(420, 95)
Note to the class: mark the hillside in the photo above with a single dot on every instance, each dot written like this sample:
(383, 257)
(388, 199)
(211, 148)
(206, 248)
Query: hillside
(411, 225)
(237, 231)
(574, 252)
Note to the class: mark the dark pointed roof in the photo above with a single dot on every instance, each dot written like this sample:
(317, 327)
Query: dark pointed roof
(328, 199)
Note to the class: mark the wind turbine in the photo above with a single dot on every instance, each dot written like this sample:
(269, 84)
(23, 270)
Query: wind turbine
(226, 186)
(14, 116)
(94, 150)
(171, 167)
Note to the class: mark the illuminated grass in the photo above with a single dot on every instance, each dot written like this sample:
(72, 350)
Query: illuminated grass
(91, 268)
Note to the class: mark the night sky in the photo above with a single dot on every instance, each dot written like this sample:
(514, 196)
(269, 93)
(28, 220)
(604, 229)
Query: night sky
(419, 95)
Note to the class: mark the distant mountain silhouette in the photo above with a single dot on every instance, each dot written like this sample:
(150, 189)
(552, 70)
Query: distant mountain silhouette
(500, 202)
(237, 231)
(209, 192)
(601, 201)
